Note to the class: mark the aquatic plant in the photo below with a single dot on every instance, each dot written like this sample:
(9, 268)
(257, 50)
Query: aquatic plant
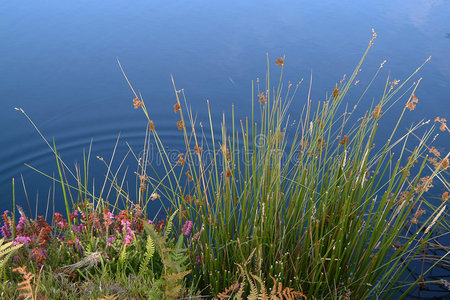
(314, 202)
(282, 204)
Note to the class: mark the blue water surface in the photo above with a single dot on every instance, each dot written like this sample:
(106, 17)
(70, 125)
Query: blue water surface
(58, 62)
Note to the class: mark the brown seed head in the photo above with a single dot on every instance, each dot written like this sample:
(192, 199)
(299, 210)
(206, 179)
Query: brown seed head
(137, 103)
(444, 164)
(280, 61)
(151, 126)
(335, 92)
(344, 141)
(443, 122)
(445, 196)
(176, 107)
(198, 150)
(181, 161)
(188, 175)
(262, 98)
(410, 105)
(377, 112)
(435, 151)
(180, 125)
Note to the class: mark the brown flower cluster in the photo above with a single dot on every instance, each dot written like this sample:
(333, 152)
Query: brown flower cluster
(137, 103)
(198, 150)
(181, 160)
(445, 196)
(280, 61)
(189, 177)
(444, 164)
(321, 143)
(151, 126)
(344, 141)
(225, 152)
(377, 112)
(143, 186)
(394, 83)
(176, 107)
(424, 185)
(417, 214)
(443, 122)
(335, 92)
(412, 104)
(180, 125)
(262, 98)
(435, 151)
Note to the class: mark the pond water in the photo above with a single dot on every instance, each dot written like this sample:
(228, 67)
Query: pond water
(58, 63)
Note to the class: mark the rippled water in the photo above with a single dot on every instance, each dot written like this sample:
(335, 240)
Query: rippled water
(58, 63)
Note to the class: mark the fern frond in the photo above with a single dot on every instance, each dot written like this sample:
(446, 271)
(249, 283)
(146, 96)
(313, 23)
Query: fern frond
(225, 295)
(25, 289)
(174, 277)
(253, 290)
(169, 225)
(263, 294)
(6, 251)
(287, 293)
(150, 250)
(123, 255)
(156, 237)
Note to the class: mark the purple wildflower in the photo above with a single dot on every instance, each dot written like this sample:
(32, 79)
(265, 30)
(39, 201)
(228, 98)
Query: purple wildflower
(5, 231)
(128, 239)
(111, 240)
(60, 224)
(126, 227)
(78, 228)
(22, 240)
(19, 227)
(187, 228)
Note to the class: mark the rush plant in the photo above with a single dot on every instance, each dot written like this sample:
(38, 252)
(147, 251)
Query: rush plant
(313, 202)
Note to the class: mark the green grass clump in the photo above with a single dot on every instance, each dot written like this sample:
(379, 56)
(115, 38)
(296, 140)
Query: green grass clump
(284, 204)
(318, 208)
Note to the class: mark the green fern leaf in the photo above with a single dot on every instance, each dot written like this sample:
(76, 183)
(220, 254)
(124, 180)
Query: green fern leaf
(6, 251)
(150, 250)
(169, 225)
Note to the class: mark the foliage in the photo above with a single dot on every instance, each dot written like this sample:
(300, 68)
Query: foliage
(6, 251)
(326, 210)
(285, 205)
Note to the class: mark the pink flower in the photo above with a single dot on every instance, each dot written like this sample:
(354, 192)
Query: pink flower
(22, 240)
(187, 228)
(60, 224)
(126, 227)
(111, 240)
(5, 231)
(128, 239)
(19, 227)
